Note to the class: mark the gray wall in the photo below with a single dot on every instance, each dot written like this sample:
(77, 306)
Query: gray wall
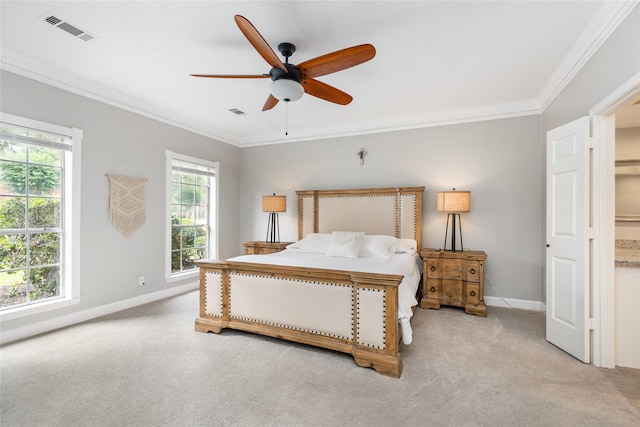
(498, 161)
(121, 142)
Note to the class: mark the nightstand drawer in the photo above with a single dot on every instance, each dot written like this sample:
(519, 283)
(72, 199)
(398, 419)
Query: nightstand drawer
(473, 294)
(432, 268)
(432, 289)
(472, 271)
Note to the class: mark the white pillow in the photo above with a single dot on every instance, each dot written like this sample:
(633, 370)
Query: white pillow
(315, 242)
(345, 244)
(374, 246)
(408, 246)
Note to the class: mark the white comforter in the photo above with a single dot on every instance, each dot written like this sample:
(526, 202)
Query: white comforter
(410, 266)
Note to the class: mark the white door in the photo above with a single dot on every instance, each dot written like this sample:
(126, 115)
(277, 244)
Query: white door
(567, 258)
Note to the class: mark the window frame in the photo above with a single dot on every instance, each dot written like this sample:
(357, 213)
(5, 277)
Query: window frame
(70, 235)
(213, 212)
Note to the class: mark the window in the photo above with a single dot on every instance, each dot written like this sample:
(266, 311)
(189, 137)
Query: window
(191, 211)
(38, 214)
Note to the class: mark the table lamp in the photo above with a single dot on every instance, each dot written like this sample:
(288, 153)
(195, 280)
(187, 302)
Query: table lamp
(453, 202)
(273, 204)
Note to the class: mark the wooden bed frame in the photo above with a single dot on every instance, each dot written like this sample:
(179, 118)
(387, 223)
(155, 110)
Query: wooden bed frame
(350, 312)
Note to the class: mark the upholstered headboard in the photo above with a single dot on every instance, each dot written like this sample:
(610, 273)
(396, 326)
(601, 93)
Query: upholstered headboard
(389, 211)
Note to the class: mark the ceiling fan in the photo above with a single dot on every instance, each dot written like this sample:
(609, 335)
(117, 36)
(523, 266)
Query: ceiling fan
(291, 81)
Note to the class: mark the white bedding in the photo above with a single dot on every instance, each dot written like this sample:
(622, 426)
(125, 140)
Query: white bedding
(408, 265)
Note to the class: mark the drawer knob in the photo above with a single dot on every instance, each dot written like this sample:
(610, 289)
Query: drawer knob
(433, 289)
(472, 271)
(472, 293)
(433, 268)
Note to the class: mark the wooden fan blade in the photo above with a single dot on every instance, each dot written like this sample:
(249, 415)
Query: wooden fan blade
(324, 91)
(271, 102)
(232, 76)
(336, 61)
(258, 42)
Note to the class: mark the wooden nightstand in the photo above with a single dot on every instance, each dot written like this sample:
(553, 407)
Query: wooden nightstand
(453, 278)
(263, 248)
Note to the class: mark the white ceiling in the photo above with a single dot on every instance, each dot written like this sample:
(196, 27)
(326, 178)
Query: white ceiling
(437, 62)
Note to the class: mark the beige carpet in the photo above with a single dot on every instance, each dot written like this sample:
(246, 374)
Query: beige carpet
(147, 367)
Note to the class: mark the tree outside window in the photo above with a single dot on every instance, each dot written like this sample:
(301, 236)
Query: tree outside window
(31, 193)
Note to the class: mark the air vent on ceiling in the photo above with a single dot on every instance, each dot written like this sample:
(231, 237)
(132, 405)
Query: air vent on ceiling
(53, 20)
(236, 111)
(71, 29)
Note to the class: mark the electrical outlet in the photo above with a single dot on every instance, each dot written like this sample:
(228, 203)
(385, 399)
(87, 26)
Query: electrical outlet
(141, 281)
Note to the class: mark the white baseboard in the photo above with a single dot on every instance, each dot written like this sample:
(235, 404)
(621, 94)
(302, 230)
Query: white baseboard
(92, 313)
(521, 304)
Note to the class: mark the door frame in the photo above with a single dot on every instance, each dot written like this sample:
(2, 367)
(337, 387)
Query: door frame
(603, 339)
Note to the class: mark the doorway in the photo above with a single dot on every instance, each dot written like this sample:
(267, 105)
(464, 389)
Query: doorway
(603, 305)
(627, 234)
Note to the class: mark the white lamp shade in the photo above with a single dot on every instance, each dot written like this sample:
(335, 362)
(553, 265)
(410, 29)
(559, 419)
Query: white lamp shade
(287, 90)
(454, 201)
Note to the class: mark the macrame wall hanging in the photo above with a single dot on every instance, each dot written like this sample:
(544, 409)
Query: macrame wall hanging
(127, 203)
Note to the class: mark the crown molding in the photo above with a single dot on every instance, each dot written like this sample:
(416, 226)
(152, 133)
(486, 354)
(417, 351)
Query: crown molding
(36, 70)
(603, 24)
(491, 112)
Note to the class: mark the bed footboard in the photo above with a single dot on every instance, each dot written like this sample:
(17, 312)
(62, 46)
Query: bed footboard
(350, 312)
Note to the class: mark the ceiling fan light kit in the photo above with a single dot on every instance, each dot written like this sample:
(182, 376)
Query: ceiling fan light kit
(286, 90)
(291, 81)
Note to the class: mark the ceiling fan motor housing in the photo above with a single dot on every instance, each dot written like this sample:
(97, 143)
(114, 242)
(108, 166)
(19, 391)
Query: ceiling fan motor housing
(293, 74)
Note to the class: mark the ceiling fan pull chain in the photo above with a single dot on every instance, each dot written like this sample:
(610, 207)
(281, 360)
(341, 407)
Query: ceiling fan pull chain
(286, 118)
